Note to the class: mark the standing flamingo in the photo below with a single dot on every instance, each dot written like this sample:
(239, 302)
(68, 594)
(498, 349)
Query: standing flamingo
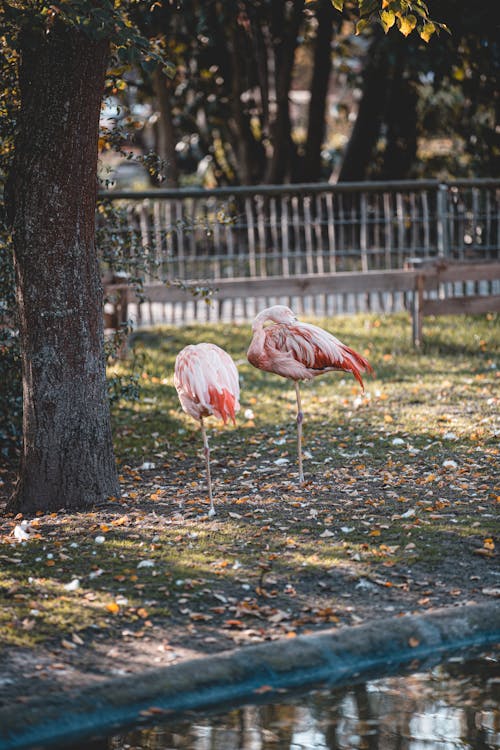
(206, 380)
(299, 351)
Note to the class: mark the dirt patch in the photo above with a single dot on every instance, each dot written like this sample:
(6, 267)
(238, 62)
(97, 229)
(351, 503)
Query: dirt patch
(158, 582)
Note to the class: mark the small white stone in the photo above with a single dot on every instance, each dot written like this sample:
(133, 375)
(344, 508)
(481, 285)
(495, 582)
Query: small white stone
(146, 564)
(100, 539)
(249, 414)
(450, 464)
(21, 533)
(409, 513)
(72, 585)
(281, 461)
(398, 441)
(450, 436)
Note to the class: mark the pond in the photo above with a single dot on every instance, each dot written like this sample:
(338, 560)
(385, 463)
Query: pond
(454, 706)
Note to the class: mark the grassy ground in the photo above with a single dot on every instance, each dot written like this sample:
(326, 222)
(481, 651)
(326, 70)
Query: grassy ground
(399, 512)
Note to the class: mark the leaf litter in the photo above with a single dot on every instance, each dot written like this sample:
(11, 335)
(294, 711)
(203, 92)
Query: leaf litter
(399, 512)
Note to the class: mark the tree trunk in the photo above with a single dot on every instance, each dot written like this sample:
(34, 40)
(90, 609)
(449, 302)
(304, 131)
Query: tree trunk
(400, 152)
(311, 166)
(67, 458)
(366, 130)
(282, 164)
(166, 132)
(249, 152)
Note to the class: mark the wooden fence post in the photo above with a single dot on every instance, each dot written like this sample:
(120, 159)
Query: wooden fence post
(442, 218)
(418, 296)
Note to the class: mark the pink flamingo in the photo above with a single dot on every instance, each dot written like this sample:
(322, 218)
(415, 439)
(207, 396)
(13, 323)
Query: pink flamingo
(206, 380)
(299, 351)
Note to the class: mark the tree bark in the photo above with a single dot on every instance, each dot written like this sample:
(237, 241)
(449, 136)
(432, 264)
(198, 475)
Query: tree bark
(67, 457)
(249, 152)
(400, 152)
(366, 130)
(311, 163)
(166, 132)
(285, 33)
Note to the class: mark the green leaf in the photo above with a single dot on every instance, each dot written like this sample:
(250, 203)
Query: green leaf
(362, 24)
(367, 6)
(170, 70)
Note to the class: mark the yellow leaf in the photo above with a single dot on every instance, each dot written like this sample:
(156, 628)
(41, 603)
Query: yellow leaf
(120, 521)
(407, 24)
(388, 19)
(114, 608)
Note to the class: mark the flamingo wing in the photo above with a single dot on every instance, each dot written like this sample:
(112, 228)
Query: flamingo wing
(302, 351)
(206, 380)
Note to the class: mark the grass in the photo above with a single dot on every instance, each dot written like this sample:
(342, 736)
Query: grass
(399, 511)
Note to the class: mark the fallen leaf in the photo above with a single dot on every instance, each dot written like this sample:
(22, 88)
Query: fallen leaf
(263, 689)
(491, 592)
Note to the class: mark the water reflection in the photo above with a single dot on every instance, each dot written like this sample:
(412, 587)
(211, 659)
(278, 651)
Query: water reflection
(456, 706)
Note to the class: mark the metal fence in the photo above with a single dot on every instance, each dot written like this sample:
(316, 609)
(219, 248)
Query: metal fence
(201, 236)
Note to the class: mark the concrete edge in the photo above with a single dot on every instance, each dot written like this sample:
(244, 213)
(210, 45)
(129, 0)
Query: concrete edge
(333, 657)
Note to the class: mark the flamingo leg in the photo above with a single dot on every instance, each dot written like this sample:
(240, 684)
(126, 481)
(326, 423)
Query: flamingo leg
(300, 417)
(206, 451)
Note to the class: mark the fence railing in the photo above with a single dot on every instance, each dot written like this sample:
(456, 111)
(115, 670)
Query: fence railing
(284, 232)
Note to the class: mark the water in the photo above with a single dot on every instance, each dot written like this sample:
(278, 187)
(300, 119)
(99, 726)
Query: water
(455, 706)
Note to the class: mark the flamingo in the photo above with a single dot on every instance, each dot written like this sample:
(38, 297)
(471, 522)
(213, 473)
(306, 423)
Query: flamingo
(299, 351)
(206, 380)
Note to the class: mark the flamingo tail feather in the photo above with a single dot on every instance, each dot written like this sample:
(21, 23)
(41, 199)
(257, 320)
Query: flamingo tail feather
(356, 364)
(223, 403)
